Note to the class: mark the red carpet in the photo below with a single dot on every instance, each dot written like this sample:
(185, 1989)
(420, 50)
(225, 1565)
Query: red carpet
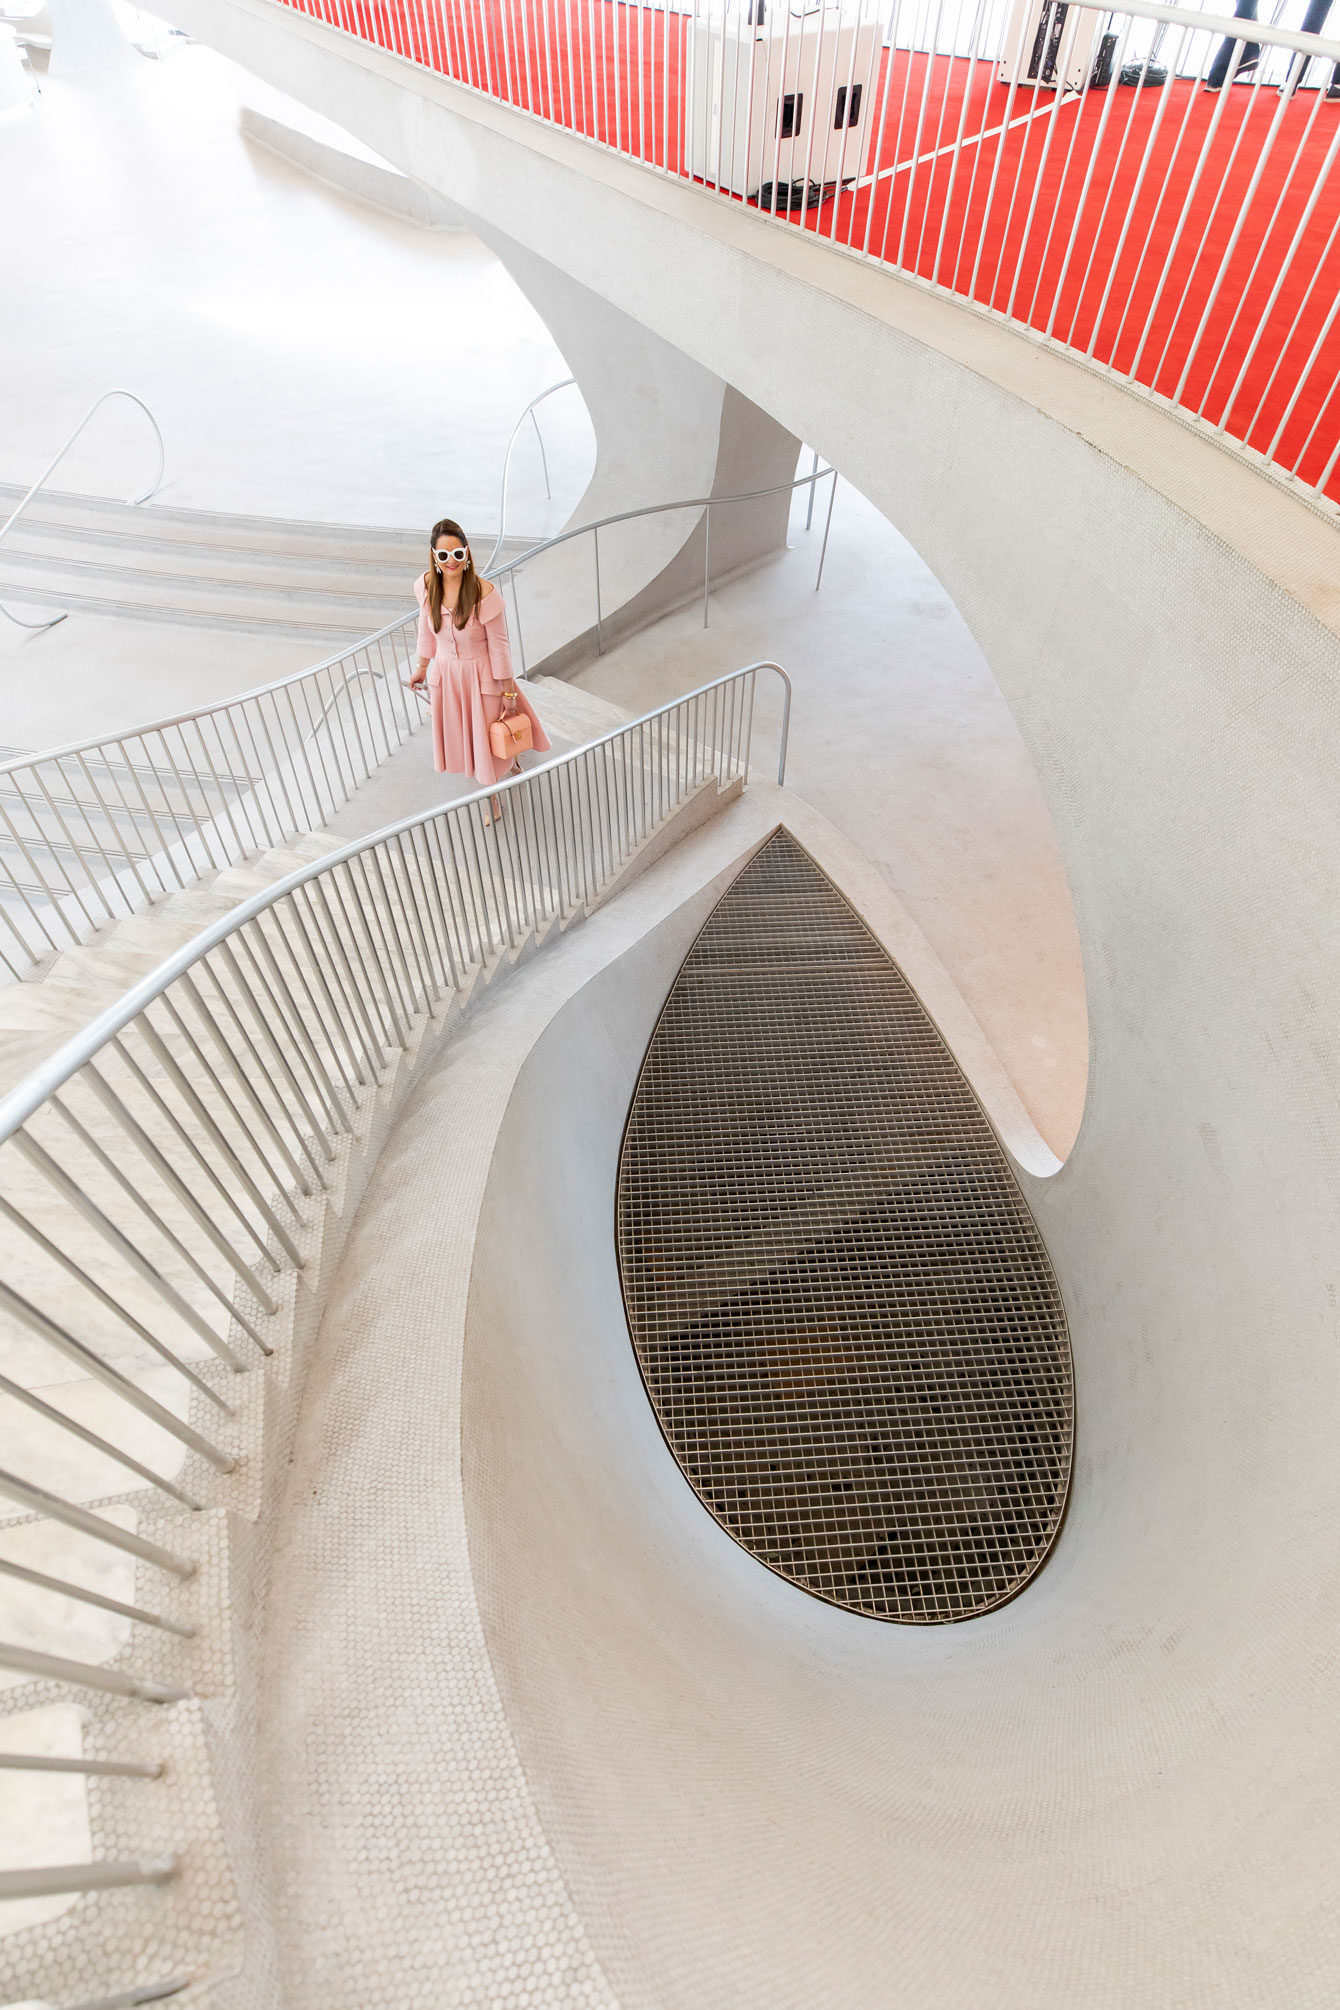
(1071, 221)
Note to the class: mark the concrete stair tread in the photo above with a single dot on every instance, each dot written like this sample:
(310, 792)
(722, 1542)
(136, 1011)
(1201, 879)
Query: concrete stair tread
(21, 577)
(288, 626)
(54, 544)
(575, 714)
(169, 524)
(261, 1429)
(34, 1007)
(96, 961)
(164, 519)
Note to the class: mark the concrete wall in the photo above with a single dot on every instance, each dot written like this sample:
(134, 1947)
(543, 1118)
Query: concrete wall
(383, 188)
(1119, 1790)
(1132, 1769)
(665, 429)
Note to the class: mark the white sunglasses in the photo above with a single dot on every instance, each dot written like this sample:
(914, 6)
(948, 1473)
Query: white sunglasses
(460, 553)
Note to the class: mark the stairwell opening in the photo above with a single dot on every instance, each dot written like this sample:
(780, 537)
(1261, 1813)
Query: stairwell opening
(841, 1308)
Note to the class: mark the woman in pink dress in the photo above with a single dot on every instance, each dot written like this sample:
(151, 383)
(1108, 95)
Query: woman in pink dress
(466, 660)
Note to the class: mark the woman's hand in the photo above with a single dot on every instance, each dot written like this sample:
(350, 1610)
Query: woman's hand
(509, 698)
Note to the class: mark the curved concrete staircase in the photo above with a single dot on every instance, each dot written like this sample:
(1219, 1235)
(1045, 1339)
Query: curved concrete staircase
(170, 1217)
(205, 569)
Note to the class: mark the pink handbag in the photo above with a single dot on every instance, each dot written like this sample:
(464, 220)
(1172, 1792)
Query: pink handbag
(509, 736)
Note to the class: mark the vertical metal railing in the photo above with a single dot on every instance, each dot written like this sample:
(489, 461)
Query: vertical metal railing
(702, 507)
(93, 832)
(164, 1170)
(96, 831)
(1154, 188)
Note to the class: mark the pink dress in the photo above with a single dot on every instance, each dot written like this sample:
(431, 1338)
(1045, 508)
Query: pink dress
(469, 669)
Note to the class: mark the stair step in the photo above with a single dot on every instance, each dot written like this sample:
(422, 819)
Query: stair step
(165, 524)
(573, 713)
(61, 545)
(21, 577)
(188, 526)
(259, 1431)
(285, 627)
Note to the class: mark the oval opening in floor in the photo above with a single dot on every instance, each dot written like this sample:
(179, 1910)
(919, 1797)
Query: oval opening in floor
(840, 1304)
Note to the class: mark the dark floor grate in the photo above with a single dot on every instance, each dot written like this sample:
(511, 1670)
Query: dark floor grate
(841, 1307)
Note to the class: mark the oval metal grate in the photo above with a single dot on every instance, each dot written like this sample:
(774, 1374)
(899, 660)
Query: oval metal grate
(840, 1304)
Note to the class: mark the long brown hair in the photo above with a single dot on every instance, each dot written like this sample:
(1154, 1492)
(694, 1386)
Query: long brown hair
(472, 587)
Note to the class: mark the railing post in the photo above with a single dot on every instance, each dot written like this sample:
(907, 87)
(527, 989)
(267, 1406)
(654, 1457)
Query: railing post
(707, 557)
(516, 614)
(809, 507)
(828, 524)
(595, 537)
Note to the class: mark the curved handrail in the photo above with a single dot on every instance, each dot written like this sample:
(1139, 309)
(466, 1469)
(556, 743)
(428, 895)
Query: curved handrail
(152, 490)
(73, 747)
(705, 503)
(258, 1046)
(294, 676)
(654, 509)
(529, 413)
(291, 677)
(1235, 27)
(99, 828)
(53, 1073)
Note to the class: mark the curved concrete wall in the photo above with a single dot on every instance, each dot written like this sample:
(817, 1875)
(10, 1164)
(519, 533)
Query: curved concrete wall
(1120, 1790)
(665, 428)
(1117, 1791)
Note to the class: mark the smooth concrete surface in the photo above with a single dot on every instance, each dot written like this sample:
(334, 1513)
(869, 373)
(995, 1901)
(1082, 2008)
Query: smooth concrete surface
(666, 431)
(371, 180)
(93, 675)
(740, 278)
(407, 784)
(1117, 1791)
(257, 311)
(387, 1760)
(1120, 1790)
(1128, 582)
(900, 737)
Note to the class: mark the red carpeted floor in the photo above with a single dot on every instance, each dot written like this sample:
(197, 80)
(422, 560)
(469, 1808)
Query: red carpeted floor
(1115, 224)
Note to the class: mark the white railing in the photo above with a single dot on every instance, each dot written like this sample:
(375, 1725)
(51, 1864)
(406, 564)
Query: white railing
(101, 829)
(50, 470)
(162, 1173)
(1056, 163)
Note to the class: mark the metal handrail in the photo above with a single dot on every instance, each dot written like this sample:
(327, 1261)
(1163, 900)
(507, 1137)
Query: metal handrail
(205, 1118)
(292, 677)
(529, 413)
(659, 509)
(1232, 26)
(21, 1103)
(50, 469)
(707, 504)
(101, 828)
(198, 712)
